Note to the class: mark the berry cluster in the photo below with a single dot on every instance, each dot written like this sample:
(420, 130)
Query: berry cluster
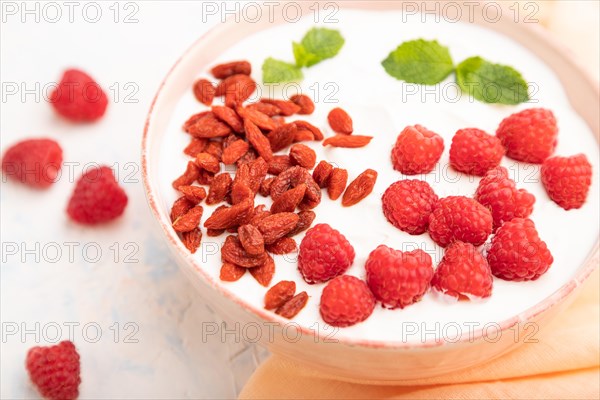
(460, 224)
(97, 198)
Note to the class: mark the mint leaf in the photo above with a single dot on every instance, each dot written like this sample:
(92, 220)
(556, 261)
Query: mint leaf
(317, 45)
(419, 61)
(491, 83)
(275, 71)
(303, 57)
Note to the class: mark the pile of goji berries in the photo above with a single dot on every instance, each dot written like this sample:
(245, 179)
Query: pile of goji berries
(271, 161)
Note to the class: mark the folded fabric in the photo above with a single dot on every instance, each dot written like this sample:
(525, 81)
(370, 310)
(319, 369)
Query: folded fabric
(564, 363)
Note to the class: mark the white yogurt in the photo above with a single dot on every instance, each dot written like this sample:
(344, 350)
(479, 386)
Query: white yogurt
(382, 106)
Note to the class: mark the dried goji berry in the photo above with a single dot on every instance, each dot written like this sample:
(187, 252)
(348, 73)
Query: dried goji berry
(293, 177)
(315, 131)
(337, 183)
(230, 217)
(279, 294)
(236, 83)
(302, 155)
(214, 232)
(340, 121)
(189, 176)
(284, 245)
(288, 201)
(192, 239)
(321, 173)
(181, 206)
(259, 119)
(264, 273)
(189, 220)
(292, 307)
(306, 104)
(258, 140)
(235, 99)
(231, 272)
(219, 188)
(265, 187)
(251, 239)
(192, 119)
(276, 226)
(240, 192)
(268, 109)
(208, 162)
(348, 141)
(259, 214)
(205, 177)
(305, 220)
(252, 173)
(248, 157)
(227, 141)
(234, 152)
(286, 107)
(233, 252)
(283, 136)
(223, 71)
(195, 194)
(204, 91)
(303, 135)
(359, 188)
(279, 121)
(279, 164)
(208, 126)
(214, 148)
(229, 116)
(195, 147)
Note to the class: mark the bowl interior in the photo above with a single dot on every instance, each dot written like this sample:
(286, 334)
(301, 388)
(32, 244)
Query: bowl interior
(163, 143)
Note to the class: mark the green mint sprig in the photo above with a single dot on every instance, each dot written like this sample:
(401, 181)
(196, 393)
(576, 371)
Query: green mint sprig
(318, 44)
(428, 62)
(419, 61)
(275, 71)
(491, 83)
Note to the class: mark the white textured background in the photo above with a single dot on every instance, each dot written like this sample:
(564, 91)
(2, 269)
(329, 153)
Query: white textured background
(146, 290)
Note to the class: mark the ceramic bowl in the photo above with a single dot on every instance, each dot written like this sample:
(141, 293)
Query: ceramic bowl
(366, 361)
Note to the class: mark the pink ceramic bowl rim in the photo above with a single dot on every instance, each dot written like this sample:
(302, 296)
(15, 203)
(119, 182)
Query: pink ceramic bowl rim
(533, 313)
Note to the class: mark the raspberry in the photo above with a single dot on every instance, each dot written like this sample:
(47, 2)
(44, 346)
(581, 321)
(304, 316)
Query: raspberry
(78, 97)
(407, 205)
(54, 370)
(34, 162)
(396, 278)
(459, 218)
(97, 197)
(462, 272)
(499, 194)
(475, 152)
(345, 301)
(517, 253)
(417, 150)
(529, 135)
(324, 254)
(567, 180)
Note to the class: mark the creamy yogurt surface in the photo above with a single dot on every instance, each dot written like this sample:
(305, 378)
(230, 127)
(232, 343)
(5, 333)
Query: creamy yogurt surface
(382, 106)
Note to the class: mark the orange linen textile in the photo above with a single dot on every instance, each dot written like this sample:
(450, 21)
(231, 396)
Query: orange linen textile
(563, 364)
